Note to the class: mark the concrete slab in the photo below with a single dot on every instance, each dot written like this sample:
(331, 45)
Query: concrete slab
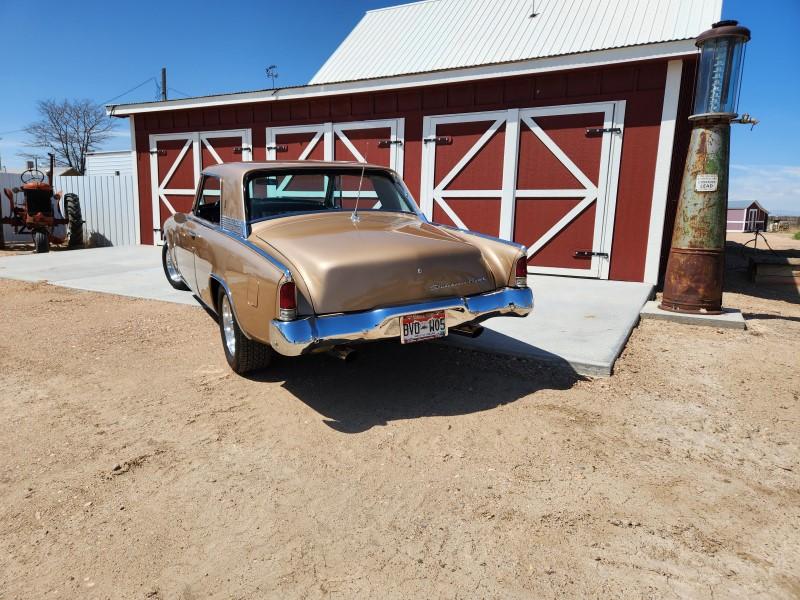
(583, 322)
(125, 270)
(579, 323)
(731, 318)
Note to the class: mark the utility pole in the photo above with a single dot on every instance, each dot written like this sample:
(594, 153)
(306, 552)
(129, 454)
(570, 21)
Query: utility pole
(163, 83)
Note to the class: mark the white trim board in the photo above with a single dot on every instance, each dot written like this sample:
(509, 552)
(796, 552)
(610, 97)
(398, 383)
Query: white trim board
(135, 157)
(666, 139)
(527, 67)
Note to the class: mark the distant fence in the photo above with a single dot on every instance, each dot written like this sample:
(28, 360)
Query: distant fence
(108, 205)
(783, 223)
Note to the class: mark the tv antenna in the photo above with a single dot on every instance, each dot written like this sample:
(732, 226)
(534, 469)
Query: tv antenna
(533, 10)
(272, 74)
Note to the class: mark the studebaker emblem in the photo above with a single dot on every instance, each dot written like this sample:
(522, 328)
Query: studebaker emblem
(444, 286)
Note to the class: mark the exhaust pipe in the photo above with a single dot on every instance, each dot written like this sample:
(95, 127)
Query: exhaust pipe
(470, 330)
(343, 353)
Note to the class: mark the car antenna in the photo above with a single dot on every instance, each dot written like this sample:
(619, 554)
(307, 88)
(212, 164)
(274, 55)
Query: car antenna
(354, 217)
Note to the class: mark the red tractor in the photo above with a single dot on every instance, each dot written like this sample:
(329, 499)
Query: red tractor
(40, 214)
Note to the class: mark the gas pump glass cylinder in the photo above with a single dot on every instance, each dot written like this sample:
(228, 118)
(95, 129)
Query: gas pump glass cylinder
(719, 72)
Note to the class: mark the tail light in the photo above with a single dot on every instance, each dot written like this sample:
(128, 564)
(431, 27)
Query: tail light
(521, 272)
(287, 301)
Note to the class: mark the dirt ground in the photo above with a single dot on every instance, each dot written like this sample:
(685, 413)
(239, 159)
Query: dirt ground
(779, 240)
(134, 464)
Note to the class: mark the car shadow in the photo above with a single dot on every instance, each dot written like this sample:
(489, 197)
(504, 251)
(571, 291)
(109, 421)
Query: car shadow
(391, 382)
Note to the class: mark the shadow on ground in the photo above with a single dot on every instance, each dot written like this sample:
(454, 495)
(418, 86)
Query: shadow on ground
(390, 382)
(737, 277)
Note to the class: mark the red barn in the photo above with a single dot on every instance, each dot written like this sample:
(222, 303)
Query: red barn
(564, 129)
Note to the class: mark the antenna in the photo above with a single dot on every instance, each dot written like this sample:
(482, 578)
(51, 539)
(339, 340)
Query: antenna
(272, 73)
(533, 10)
(354, 217)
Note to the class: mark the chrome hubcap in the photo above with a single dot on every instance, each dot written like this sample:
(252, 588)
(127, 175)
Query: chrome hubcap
(172, 270)
(227, 326)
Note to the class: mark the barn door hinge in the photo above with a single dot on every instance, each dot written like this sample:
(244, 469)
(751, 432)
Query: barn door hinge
(439, 140)
(590, 254)
(240, 149)
(595, 131)
(159, 152)
(278, 147)
(387, 143)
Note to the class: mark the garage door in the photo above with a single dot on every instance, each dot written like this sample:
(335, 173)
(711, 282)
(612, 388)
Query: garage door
(377, 142)
(176, 161)
(544, 177)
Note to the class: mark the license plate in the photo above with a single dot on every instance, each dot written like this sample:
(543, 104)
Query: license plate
(423, 326)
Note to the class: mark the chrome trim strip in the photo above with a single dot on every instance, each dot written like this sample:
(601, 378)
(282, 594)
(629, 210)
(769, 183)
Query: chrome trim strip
(245, 242)
(214, 307)
(292, 338)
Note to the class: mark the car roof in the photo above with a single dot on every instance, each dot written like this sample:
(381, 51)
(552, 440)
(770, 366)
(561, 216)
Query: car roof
(236, 170)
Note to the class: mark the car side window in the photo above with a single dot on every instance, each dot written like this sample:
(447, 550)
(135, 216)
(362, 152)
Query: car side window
(209, 201)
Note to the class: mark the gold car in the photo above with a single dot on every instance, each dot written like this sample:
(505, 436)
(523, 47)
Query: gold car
(301, 257)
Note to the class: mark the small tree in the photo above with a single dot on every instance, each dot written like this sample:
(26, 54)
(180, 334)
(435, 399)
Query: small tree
(70, 129)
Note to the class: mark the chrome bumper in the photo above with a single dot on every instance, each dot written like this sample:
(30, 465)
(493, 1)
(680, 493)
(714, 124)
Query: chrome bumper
(301, 336)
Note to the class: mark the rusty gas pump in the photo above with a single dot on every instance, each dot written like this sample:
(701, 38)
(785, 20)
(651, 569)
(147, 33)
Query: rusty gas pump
(696, 264)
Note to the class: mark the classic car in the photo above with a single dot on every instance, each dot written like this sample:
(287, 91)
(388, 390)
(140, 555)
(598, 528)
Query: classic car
(302, 257)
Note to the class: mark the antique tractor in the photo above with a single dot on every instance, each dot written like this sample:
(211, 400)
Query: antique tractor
(40, 214)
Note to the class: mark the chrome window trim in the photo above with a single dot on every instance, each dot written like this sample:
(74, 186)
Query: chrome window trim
(391, 174)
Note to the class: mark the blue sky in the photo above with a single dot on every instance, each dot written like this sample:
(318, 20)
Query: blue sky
(101, 50)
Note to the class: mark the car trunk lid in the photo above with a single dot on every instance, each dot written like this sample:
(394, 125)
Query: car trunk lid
(382, 259)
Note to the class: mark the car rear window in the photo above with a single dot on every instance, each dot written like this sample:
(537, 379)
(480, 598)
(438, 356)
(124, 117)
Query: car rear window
(279, 193)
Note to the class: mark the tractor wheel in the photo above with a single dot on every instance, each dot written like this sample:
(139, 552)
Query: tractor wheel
(72, 208)
(41, 242)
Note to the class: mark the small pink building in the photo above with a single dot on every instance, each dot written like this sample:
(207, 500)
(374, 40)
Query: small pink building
(746, 215)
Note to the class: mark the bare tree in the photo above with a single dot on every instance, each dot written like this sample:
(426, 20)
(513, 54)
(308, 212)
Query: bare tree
(70, 129)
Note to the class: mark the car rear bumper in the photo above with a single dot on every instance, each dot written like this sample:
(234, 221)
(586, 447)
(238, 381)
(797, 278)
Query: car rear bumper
(309, 334)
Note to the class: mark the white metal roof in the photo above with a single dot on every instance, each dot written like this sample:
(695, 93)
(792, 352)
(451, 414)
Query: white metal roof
(434, 35)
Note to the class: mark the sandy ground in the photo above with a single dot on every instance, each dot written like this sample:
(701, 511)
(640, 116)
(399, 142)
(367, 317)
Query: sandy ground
(777, 240)
(134, 464)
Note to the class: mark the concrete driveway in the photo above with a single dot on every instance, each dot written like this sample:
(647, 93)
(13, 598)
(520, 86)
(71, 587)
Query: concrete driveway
(580, 323)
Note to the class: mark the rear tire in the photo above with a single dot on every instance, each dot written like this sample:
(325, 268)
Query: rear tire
(171, 271)
(41, 242)
(72, 208)
(243, 354)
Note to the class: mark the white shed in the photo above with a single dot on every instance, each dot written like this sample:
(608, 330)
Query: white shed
(118, 162)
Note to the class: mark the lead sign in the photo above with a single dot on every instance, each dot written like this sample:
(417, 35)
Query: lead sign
(707, 182)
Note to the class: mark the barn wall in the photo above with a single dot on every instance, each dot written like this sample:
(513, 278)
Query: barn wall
(640, 84)
(736, 218)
